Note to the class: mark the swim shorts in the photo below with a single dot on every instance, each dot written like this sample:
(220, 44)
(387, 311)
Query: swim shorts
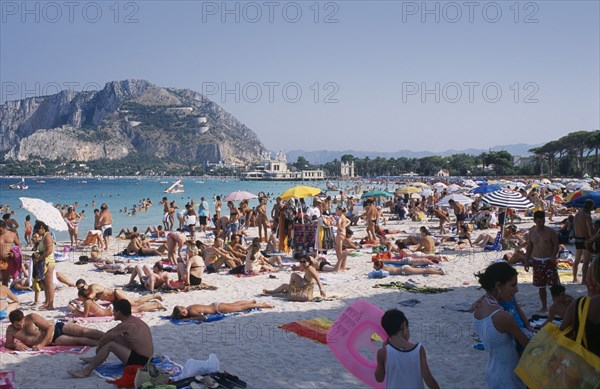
(544, 273)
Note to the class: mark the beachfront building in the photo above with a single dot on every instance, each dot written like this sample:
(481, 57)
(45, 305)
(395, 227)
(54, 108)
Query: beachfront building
(443, 173)
(277, 170)
(347, 169)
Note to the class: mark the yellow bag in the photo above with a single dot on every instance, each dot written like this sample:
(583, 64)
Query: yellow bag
(552, 360)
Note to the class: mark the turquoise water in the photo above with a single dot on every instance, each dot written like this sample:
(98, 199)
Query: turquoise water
(124, 193)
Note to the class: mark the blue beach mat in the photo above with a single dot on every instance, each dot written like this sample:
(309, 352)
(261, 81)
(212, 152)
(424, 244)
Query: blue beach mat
(209, 318)
(114, 371)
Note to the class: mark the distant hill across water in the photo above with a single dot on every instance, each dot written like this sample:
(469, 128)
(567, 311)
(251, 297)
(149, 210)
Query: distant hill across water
(324, 156)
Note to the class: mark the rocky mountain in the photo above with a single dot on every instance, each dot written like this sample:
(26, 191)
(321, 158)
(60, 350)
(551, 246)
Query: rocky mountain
(124, 118)
(324, 156)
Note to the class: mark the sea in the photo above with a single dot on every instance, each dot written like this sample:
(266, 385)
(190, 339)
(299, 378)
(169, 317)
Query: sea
(120, 194)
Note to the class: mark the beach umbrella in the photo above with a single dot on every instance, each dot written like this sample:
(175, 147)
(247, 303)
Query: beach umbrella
(440, 185)
(407, 190)
(577, 198)
(469, 183)
(507, 199)
(546, 181)
(45, 212)
(239, 195)
(483, 189)
(419, 185)
(300, 192)
(426, 192)
(461, 199)
(376, 193)
(415, 196)
(454, 188)
(554, 197)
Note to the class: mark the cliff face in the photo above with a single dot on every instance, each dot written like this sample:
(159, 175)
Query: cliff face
(125, 117)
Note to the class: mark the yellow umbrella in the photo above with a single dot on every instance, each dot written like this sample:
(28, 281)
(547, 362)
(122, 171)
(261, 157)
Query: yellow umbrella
(407, 190)
(300, 192)
(419, 185)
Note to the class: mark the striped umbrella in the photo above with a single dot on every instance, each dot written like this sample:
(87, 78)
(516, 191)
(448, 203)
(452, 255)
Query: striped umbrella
(507, 199)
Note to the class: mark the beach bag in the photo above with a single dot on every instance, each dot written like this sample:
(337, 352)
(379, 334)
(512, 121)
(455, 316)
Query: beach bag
(150, 373)
(552, 360)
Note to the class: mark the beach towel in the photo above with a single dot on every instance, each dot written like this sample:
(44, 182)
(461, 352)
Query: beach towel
(209, 318)
(125, 258)
(18, 292)
(48, 350)
(411, 288)
(15, 265)
(114, 371)
(314, 329)
(6, 379)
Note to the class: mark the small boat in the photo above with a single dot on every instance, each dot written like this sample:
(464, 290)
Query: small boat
(177, 187)
(200, 182)
(20, 186)
(41, 181)
(164, 182)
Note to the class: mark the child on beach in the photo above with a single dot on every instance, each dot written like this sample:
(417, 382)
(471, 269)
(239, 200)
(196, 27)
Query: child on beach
(560, 302)
(400, 362)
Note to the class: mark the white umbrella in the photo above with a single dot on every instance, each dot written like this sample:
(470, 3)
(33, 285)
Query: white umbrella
(440, 185)
(45, 212)
(470, 183)
(426, 192)
(239, 195)
(454, 188)
(461, 199)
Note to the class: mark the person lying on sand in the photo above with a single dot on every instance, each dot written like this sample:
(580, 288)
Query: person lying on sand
(151, 279)
(198, 311)
(405, 270)
(130, 341)
(34, 332)
(308, 281)
(100, 292)
(90, 308)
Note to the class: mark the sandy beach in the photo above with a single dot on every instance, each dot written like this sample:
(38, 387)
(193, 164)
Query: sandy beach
(253, 346)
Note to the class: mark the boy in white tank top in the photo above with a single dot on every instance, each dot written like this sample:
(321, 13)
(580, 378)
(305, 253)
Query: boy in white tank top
(400, 362)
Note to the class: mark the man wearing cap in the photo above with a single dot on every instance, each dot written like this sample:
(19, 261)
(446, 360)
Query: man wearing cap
(314, 212)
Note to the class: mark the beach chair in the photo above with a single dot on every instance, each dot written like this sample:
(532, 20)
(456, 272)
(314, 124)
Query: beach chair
(496, 246)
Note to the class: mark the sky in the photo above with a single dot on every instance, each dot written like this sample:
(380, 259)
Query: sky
(336, 75)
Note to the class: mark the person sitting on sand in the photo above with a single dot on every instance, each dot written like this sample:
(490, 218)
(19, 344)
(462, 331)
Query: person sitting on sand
(156, 232)
(127, 233)
(406, 270)
(464, 238)
(90, 308)
(427, 244)
(235, 247)
(256, 262)
(151, 279)
(484, 240)
(7, 307)
(191, 273)
(100, 292)
(308, 281)
(272, 243)
(403, 251)
(216, 256)
(138, 245)
(130, 341)
(560, 303)
(34, 332)
(198, 311)
(347, 242)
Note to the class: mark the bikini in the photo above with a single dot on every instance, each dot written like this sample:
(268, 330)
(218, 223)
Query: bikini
(193, 279)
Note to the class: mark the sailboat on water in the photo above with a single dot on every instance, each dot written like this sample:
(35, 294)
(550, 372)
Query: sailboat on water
(21, 185)
(177, 187)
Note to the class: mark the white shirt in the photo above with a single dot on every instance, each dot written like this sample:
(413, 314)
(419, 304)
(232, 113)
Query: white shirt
(403, 368)
(313, 211)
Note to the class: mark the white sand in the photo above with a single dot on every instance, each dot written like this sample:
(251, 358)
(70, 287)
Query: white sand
(254, 348)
